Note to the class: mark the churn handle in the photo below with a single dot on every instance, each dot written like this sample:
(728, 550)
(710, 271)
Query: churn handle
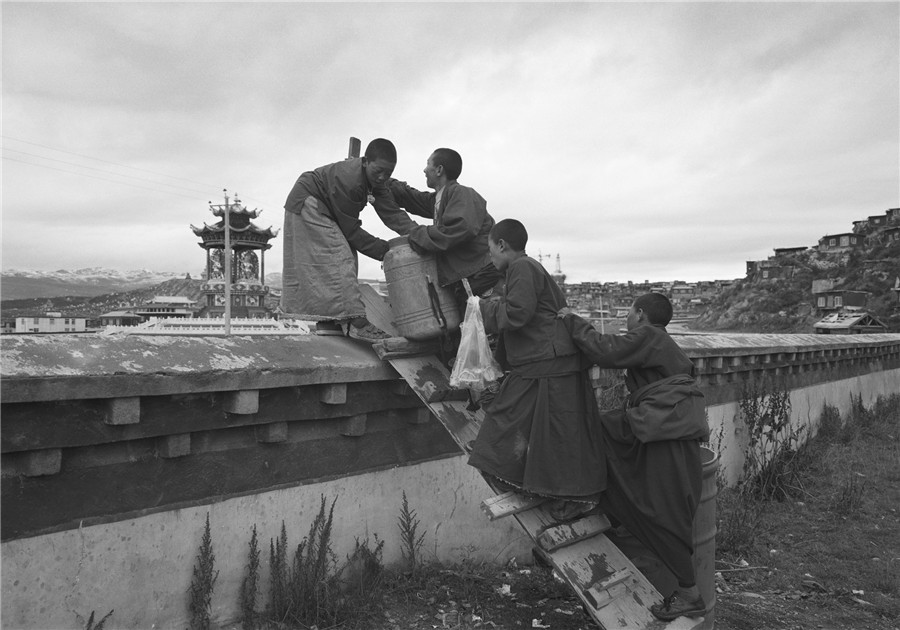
(435, 300)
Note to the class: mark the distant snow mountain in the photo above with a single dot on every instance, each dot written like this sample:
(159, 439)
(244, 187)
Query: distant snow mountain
(91, 281)
(96, 274)
(18, 284)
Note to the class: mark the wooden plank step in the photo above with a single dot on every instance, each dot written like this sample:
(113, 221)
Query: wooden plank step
(397, 347)
(510, 503)
(608, 589)
(558, 536)
(582, 562)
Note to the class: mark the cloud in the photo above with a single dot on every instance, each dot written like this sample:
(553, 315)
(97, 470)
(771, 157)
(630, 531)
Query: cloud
(637, 140)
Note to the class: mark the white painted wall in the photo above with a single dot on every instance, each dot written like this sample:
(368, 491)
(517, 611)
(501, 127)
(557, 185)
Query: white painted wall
(48, 324)
(807, 404)
(142, 568)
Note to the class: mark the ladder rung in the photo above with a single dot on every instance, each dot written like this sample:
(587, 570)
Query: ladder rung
(509, 503)
(608, 589)
(558, 536)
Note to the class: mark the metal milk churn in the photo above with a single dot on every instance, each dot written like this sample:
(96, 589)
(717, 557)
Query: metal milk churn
(422, 308)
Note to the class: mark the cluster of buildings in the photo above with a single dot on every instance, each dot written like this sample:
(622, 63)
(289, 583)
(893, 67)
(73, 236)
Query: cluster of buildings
(879, 229)
(842, 308)
(600, 301)
(607, 300)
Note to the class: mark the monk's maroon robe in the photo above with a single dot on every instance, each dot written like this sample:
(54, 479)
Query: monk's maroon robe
(653, 444)
(542, 430)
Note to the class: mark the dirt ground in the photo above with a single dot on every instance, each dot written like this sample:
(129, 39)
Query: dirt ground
(531, 597)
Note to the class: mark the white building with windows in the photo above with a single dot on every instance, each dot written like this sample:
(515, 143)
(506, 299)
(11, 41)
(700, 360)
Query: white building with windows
(167, 306)
(50, 323)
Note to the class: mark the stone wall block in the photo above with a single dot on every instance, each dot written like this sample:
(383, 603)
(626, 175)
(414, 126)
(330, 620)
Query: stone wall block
(333, 393)
(354, 425)
(243, 402)
(271, 433)
(175, 445)
(44, 462)
(122, 410)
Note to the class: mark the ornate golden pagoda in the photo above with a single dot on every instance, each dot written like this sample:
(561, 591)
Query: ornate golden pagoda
(248, 244)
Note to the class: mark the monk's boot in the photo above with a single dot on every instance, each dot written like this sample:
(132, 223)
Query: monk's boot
(562, 510)
(684, 602)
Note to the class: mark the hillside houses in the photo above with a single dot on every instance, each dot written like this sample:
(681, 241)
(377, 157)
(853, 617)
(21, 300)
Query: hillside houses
(840, 242)
(841, 305)
(688, 298)
(879, 229)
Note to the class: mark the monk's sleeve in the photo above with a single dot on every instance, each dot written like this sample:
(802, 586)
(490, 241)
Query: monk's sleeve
(607, 351)
(517, 307)
(346, 213)
(461, 221)
(390, 212)
(412, 200)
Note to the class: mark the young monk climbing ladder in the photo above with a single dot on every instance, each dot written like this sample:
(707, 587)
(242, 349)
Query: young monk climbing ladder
(541, 433)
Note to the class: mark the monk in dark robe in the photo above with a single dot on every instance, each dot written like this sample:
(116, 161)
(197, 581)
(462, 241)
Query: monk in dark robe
(653, 445)
(323, 236)
(541, 432)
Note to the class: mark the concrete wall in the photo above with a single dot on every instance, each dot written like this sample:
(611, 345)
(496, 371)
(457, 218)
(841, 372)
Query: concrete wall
(116, 448)
(142, 567)
(807, 404)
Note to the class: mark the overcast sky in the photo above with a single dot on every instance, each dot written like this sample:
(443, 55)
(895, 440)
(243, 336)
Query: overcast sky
(654, 141)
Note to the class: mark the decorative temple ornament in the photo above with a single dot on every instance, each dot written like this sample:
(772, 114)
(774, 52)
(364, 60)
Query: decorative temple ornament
(246, 287)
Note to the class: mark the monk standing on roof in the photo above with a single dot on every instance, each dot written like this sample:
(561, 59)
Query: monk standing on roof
(323, 233)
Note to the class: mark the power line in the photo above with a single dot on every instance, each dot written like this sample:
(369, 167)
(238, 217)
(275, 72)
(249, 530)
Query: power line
(107, 161)
(53, 168)
(41, 157)
(204, 193)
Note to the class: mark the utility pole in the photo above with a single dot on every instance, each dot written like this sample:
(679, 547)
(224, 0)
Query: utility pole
(226, 254)
(227, 264)
(602, 326)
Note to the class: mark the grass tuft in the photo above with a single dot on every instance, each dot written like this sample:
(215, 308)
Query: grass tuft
(250, 585)
(203, 582)
(410, 539)
(99, 624)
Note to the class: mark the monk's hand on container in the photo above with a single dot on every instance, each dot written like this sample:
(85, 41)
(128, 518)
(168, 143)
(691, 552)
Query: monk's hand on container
(421, 251)
(563, 312)
(381, 249)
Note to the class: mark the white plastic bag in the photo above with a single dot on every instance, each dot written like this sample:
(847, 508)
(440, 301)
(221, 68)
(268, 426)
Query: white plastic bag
(475, 367)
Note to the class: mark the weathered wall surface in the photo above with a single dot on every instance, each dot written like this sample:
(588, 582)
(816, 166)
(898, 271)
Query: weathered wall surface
(817, 369)
(807, 404)
(142, 567)
(115, 449)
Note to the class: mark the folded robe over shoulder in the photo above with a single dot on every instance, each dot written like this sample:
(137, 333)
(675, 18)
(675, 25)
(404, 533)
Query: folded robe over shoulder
(669, 409)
